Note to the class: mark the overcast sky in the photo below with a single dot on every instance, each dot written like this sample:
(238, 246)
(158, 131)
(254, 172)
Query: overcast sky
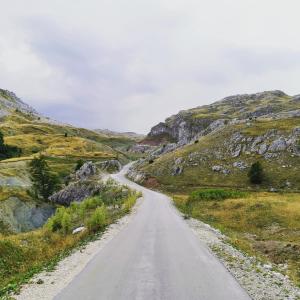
(129, 64)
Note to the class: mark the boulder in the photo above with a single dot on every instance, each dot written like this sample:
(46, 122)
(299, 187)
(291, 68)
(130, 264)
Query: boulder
(240, 165)
(217, 168)
(278, 145)
(78, 229)
(88, 169)
(76, 191)
(262, 149)
(177, 170)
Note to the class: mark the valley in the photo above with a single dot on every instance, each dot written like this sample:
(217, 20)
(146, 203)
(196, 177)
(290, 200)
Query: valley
(201, 158)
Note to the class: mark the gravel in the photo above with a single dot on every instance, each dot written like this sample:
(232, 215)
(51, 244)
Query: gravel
(261, 281)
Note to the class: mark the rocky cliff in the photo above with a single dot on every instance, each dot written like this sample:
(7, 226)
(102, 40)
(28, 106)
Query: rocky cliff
(190, 124)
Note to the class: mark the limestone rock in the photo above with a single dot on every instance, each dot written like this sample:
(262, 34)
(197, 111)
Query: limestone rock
(278, 145)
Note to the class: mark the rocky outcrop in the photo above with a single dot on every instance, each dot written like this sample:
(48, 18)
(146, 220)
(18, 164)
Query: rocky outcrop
(76, 192)
(84, 183)
(9, 101)
(187, 126)
(88, 169)
(21, 216)
(110, 166)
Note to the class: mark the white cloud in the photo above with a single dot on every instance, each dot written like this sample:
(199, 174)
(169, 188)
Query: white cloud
(127, 65)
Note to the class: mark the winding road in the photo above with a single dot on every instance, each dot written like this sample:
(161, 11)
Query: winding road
(156, 256)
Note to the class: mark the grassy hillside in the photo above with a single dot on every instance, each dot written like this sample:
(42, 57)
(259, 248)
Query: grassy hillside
(198, 159)
(263, 224)
(62, 144)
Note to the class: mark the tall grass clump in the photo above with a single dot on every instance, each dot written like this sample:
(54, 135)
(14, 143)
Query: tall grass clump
(98, 219)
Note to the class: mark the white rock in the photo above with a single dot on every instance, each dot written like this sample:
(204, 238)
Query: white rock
(78, 229)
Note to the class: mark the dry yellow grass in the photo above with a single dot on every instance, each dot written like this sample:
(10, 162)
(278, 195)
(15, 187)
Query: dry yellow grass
(263, 224)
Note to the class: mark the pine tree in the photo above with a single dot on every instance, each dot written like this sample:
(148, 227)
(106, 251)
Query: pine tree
(256, 174)
(44, 183)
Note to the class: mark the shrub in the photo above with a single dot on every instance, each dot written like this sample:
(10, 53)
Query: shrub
(151, 161)
(79, 164)
(66, 223)
(256, 174)
(129, 203)
(91, 203)
(215, 194)
(98, 219)
(55, 222)
(7, 151)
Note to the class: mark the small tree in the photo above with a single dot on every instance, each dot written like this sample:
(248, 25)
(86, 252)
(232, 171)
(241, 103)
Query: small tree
(66, 134)
(79, 164)
(256, 174)
(44, 183)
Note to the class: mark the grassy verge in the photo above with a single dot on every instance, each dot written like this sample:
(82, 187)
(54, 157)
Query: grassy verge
(23, 255)
(266, 225)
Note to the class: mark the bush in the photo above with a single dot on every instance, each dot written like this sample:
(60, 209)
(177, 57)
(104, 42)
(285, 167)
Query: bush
(79, 164)
(55, 222)
(7, 151)
(215, 194)
(129, 203)
(98, 219)
(66, 224)
(256, 174)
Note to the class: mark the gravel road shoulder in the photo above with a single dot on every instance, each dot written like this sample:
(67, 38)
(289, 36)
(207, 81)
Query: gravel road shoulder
(46, 285)
(259, 280)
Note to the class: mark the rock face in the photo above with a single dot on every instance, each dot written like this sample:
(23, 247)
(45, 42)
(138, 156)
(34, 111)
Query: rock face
(191, 124)
(75, 192)
(88, 169)
(85, 183)
(20, 216)
(9, 101)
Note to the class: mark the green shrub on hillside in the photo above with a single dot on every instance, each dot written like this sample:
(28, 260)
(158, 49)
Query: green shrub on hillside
(256, 173)
(98, 219)
(7, 151)
(215, 194)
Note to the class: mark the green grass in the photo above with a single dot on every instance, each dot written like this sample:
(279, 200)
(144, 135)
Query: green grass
(215, 194)
(24, 254)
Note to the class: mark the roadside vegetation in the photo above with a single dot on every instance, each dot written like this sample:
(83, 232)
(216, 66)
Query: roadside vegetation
(263, 224)
(25, 254)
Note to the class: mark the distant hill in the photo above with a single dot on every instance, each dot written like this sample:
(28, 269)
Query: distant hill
(130, 135)
(215, 145)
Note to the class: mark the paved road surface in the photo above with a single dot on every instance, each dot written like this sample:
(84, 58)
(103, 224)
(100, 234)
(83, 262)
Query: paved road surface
(156, 256)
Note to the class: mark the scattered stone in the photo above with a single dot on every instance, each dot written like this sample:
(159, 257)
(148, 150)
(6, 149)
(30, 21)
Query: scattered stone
(40, 281)
(217, 168)
(240, 165)
(177, 170)
(78, 229)
(262, 149)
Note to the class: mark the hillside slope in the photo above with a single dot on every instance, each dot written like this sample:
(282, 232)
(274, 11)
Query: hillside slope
(214, 145)
(63, 145)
